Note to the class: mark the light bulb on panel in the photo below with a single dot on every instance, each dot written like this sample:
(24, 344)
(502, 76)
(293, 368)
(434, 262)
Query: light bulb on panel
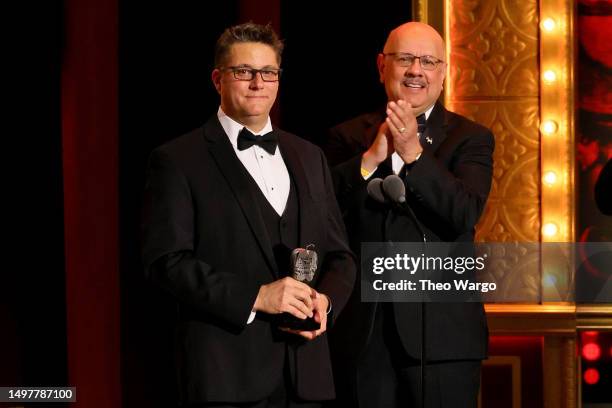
(549, 76)
(550, 178)
(549, 127)
(548, 24)
(550, 229)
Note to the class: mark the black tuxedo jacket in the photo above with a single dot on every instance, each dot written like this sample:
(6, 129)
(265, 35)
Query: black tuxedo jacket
(205, 242)
(447, 189)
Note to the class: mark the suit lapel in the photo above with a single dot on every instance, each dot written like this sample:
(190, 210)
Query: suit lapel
(308, 232)
(237, 178)
(435, 132)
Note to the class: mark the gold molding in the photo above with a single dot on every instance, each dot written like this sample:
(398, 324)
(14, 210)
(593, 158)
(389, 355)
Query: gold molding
(556, 142)
(557, 105)
(594, 317)
(561, 381)
(523, 319)
(419, 10)
(430, 12)
(561, 318)
(565, 309)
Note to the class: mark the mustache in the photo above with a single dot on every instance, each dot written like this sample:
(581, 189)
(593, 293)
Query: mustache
(413, 80)
(407, 82)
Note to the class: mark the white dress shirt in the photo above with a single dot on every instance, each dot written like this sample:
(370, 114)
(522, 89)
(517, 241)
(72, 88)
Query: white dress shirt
(268, 170)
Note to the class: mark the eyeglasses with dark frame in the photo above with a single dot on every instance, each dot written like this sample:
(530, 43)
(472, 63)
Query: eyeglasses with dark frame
(248, 74)
(405, 59)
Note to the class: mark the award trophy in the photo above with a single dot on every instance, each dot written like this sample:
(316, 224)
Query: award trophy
(304, 266)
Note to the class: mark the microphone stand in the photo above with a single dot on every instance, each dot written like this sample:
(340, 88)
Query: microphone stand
(399, 199)
(423, 325)
(401, 203)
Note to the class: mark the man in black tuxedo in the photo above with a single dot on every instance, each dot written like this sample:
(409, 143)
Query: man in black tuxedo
(224, 207)
(445, 161)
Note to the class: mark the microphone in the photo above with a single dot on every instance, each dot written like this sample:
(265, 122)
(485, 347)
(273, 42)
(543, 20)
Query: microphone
(375, 190)
(394, 188)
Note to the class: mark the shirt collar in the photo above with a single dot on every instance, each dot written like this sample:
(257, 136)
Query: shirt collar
(428, 111)
(232, 128)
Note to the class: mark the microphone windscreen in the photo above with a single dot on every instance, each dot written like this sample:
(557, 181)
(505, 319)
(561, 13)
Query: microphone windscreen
(394, 188)
(375, 190)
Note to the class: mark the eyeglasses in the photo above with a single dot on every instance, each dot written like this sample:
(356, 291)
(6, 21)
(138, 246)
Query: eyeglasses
(404, 59)
(248, 74)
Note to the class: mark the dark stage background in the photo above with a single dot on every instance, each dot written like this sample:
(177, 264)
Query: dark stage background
(32, 284)
(110, 333)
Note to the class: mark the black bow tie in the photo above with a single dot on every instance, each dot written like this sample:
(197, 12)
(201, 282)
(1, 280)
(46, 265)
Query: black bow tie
(267, 142)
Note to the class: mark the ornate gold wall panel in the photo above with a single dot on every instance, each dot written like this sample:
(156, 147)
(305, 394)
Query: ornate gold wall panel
(513, 209)
(494, 80)
(510, 68)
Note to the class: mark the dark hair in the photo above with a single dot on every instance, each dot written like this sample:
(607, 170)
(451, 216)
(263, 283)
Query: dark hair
(243, 33)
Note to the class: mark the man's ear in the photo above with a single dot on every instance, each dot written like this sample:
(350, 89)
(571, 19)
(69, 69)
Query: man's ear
(216, 79)
(380, 63)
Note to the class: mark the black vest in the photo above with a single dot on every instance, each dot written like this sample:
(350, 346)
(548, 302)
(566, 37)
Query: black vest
(283, 231)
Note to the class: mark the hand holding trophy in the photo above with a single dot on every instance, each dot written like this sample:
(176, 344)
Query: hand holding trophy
(304, 267)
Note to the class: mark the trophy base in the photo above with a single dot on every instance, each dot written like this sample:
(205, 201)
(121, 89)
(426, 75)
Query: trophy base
(291, 322)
